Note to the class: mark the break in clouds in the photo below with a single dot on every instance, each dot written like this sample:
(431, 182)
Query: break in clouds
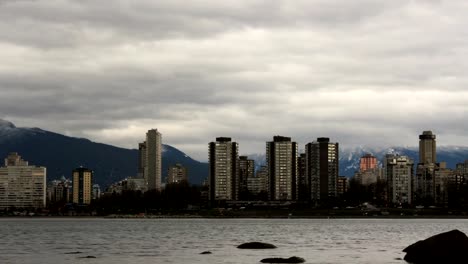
(362, 72)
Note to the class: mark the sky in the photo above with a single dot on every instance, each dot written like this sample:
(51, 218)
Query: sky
(362, 72)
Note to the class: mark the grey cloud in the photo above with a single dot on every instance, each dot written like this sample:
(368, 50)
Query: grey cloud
(360, 72)
(70, 23)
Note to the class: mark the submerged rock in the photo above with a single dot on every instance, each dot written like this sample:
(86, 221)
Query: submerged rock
(449, 247)
(283, 260)
(205, 253)
(89, 257)
(73, 253)
(256, 245)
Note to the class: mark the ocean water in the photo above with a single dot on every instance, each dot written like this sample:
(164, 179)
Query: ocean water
(50, 240)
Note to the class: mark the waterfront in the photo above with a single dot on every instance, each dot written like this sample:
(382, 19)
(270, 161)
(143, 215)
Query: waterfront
(48, 240)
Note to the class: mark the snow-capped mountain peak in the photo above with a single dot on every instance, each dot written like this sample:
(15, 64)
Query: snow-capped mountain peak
(4, 124)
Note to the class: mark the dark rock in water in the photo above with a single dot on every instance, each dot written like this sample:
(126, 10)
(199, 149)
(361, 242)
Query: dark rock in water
(205, 253)
(283, 260)
(74, 252)
(450, 247)
(89, 257)
(256, 245)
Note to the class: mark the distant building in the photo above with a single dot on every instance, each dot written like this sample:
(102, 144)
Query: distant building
(205, 190)
(460, 176)
(442, 179)
(115, 188)
(13, 159)
(457, 182)
(462, 168)
(427, 148)
(141, 159)
(22, 186)
(369, 176)
(322, 163)
(369, 171)
(258, 183)
(177, 174)
(96, 192)
(281, 158)
(223, 173)
(302, 181)
(153, 159)
(127, 184)
(246, 171)
(424, 181)
(135, 184)
(206, 182)
(399, 174)
(82, 186)
(342, 186)
(59, 191)
(367, 162)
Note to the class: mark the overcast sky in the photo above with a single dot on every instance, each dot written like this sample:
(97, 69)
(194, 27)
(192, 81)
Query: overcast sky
(362, 72)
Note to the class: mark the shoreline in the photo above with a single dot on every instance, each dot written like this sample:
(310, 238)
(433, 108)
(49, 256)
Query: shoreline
(237, 217)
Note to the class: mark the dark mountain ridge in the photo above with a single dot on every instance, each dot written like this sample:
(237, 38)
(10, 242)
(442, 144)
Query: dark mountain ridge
(61, 154)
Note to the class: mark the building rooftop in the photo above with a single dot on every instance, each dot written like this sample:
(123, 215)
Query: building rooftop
(223, 139)
(281, 139)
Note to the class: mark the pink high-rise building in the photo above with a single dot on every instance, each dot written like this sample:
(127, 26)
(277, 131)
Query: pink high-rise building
(368, 162)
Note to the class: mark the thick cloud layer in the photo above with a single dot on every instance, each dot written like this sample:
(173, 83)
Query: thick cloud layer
(362, 72)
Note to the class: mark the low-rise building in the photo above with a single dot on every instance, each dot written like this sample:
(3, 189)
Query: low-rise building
(177, 174)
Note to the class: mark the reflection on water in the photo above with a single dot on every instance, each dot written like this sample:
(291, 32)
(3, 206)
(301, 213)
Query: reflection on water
(181, 240)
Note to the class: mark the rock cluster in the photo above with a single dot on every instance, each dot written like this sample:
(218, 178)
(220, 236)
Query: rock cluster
(261, 245)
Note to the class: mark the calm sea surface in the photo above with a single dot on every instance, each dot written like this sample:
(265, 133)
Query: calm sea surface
(181, 240)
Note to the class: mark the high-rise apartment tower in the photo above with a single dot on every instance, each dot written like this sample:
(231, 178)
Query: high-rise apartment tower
(398, 171)
(223, 173)
(425, 180)
(153, 157)
(322, 169)
(281, 158)
(427, 147)
(82, 185)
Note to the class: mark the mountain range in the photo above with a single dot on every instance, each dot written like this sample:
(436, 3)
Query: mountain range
(61, 154)
(349, 158)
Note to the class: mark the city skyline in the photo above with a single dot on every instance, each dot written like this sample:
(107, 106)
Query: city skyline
(312, 176)
(355, 71)
(301, 145)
